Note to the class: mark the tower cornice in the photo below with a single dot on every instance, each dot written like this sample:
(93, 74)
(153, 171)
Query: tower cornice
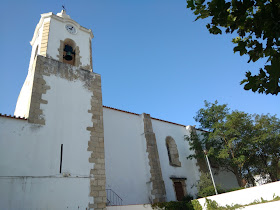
(61, 19)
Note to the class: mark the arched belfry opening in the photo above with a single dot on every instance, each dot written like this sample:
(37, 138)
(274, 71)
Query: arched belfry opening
(69, 52)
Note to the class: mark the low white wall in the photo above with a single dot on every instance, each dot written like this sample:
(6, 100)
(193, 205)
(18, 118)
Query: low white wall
(263, 206)
(246, 196)
(271, 205)
(131, 207)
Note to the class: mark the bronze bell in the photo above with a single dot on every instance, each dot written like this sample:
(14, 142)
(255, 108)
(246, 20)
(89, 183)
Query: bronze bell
(69, 52)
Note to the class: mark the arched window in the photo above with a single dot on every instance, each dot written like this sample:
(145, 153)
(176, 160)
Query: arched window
(69, 51)
(172, 152)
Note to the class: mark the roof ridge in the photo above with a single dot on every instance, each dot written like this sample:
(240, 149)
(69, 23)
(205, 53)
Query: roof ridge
(139, 114)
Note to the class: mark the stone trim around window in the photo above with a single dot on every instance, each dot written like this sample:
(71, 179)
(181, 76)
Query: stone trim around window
(172, 152)
(77, 57)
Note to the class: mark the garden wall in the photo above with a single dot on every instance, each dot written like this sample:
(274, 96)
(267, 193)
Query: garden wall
(246, 196)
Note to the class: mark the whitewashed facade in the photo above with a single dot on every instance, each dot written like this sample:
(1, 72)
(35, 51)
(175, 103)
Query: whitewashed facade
(67, 150)
(127, 167)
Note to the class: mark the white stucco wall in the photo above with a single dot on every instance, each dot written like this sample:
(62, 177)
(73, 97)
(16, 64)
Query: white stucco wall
(23, 102)
(188, 168)
(131, 207)
(127, 164)
(127, 167)
(37, 43)
(33, 151)
(125, 152)
(225, 179)
(44, 193)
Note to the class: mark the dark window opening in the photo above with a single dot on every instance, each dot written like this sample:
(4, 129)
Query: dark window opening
(168, 152)
(69, 54)
(61, 154)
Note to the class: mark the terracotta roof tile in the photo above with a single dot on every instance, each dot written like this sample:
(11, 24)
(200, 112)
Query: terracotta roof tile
(120, 110)
(13, 117)
(139, 114)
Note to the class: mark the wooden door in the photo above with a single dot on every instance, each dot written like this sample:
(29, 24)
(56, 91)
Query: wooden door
(179, 190)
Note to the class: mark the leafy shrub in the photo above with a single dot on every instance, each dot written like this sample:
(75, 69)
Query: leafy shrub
(211, 205)
(207, 191)
(196, 205)
(187, 198)
(173, 205)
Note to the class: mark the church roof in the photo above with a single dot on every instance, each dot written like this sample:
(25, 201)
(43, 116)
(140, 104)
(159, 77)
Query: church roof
(139, 114)
(14, 117)
(199, 129)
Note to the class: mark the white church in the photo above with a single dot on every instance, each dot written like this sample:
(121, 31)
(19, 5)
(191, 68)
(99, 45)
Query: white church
(63, 149)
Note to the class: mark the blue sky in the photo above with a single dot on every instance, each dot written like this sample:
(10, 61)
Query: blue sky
(152, 57)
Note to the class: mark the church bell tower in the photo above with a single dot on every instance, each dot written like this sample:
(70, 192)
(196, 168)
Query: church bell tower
(62, 99)
(60, 38)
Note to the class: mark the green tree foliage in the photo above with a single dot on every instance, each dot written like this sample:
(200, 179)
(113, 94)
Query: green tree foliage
(257, 23)
(205, 186)
(239, 142)
(174, 205)
(267, 146)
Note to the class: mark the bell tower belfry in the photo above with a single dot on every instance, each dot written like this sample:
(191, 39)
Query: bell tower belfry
(63, 39)
(59, 38)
